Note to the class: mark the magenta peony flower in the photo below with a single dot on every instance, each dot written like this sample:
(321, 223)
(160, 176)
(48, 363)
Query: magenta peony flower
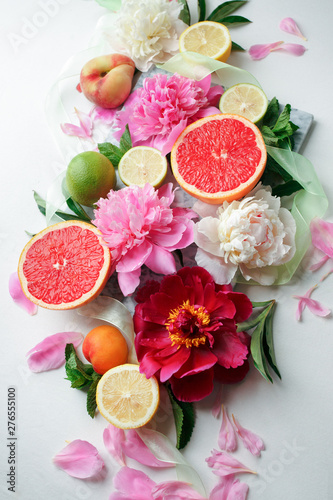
(188, 329)
(159, 111)
(140, 227)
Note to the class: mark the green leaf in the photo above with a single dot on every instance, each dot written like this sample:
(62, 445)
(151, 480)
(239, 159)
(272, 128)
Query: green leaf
(201, 10)
(91, 396)
(125, 142)
(225, 9)
(268, 341)
(112, 152)
(235, 46)
(41, 204)
(286, 189)
(233, 20)
(184, 419)
(269, 136)
(257, 352)
(272, 113)
(78, 373)
(77, 209)
(283, 119)
(185, 14)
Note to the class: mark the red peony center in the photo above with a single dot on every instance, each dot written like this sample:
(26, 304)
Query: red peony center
(187, 325)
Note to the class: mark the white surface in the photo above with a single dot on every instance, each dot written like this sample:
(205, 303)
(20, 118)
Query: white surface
(294, 415)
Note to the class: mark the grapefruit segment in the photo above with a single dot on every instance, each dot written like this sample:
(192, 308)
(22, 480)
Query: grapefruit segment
(64, 266)
(219, 158)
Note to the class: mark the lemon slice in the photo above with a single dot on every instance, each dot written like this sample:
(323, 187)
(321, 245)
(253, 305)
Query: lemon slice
(126, 398)
(207, 38)
(246, 100)
(143, 164)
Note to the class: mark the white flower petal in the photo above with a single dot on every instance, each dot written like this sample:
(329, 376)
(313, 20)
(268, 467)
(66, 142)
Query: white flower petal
(221, 272)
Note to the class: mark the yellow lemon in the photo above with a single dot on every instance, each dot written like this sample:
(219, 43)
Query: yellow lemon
(143, 164)
(208, 38)
(246, 100)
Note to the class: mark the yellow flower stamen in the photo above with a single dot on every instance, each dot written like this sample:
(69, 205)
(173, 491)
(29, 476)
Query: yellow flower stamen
(198, 317)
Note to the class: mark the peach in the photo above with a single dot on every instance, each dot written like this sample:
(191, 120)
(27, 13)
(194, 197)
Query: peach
(107, 80)
(105, 347)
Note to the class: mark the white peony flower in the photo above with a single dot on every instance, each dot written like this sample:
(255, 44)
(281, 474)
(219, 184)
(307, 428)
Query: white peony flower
(148, 31)
(253, 235)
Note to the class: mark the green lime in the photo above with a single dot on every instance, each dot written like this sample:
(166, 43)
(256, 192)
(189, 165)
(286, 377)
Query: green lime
(246, 100)
(89, 177)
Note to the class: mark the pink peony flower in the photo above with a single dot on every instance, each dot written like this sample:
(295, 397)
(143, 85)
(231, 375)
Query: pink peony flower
(188, 328)
(159, 111)
(140, 227)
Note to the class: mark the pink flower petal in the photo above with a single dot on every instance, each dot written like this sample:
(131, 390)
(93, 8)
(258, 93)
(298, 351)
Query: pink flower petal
(317, 265)
(161, 261)
(224, 465)
(262, 50)
(85, 122)
(18, 296)
(289, 26)
(135, 448)
(113, 439)
(103, 114)
(128, 282)
(322, 235)
(293, 48)
(79, 459)
(127, 481)
(175, 490)
(50, 352)
(217, 405)
(315, 307)
(229, 488)
(250, 440)
(227, 437)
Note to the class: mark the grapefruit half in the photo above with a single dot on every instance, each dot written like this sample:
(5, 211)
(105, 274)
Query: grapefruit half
(64, 266)
(219, 158)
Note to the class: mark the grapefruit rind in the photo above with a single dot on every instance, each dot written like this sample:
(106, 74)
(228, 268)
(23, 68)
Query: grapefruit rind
(217, 198)
(115, 391)
(85, 298)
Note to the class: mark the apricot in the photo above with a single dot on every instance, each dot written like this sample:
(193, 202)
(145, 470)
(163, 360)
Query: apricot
(105, 347)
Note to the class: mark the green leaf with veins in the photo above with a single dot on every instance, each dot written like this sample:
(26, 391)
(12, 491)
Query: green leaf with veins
(225, 9)
(184, 419)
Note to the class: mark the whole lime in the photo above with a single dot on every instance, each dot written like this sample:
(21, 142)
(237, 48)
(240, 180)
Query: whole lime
(89, 177)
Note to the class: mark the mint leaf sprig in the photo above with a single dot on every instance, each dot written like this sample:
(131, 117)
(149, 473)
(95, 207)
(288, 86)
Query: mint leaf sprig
(115, 153)
(82, 376)
(262, 346)
(277, 130)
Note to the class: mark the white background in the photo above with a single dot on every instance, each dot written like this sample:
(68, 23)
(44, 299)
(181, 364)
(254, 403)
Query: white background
(293, 416)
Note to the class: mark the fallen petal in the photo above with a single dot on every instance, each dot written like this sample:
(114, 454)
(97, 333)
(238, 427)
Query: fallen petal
(135, 448)
(79, 459)
(70, 129)
(315, 307)
(250, 440)
(86, 122)
(262, 50)
(289, 26)
(229, 488)
(322, 235)
(113, 439)
(317, 265)
(49, 354)
(227, 437)
(293, 48)
(175, 490)
(129, 480)
(224, 465)
(18, 296)
(103, 114)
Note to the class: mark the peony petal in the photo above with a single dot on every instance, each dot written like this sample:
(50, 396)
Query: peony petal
(222, 273)
(127, 481)
(85, 122)
(161, 261)
(250, 440)
(322, 235)
(315, 307)
(225, 465)
(293, 48)
(70, 129)
(18, 296)
(229, 489)
(289, 26)
(317, 265)
(135, 448)
(105, 115)
(135, 258)
(128, 282)
(50, 353)
(260, 51)
(113, 439)
(229, 349)
(227, 437)
(231, 375)
(79, 459)
(175, 490)
(194, 387)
